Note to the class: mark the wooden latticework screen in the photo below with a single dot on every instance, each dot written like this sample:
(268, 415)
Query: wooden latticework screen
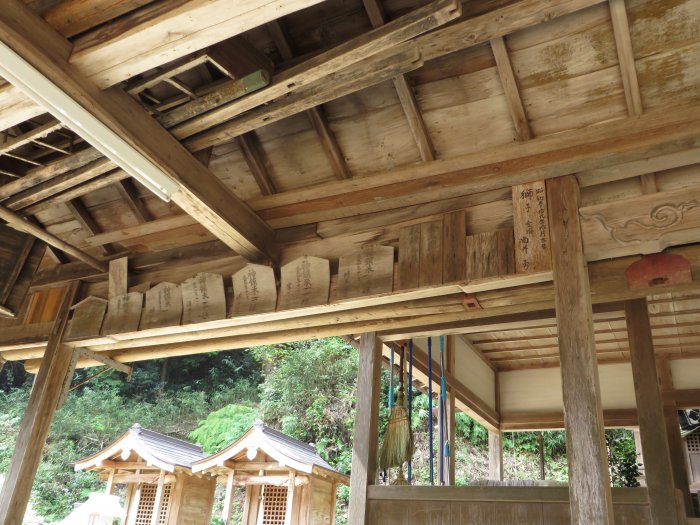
(147, 499)
(274, 505)
(693, 441)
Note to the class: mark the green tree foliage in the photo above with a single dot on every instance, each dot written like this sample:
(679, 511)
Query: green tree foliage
(223, 427)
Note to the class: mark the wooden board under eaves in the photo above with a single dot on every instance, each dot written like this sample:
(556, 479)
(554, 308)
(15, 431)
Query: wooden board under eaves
(123, 314)
(163, 306)
(531, 228)
(87, 319)
(369, 271)
(254, 290)
(304, 282)
(203, 298)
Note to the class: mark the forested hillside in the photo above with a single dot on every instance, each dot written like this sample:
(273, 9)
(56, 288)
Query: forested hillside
(306, 390)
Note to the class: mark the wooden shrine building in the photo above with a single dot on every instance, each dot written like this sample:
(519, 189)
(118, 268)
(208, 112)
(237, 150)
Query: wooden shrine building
(157, 472)
(521, 177)
(285, 480)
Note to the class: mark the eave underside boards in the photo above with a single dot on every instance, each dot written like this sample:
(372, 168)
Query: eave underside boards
(568, 77)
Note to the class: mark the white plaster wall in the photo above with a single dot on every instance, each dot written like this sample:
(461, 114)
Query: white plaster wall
(686, 373)
(540, 390)
(473, 373)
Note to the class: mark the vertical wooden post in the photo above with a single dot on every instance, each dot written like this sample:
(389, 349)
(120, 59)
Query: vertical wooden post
(34, 428)
(675, 442)
(589, 479)
(659, 475)
(228, 497)
(158, 500)
(364, 446)
(291, 496)
(451, 411)
(495, 456)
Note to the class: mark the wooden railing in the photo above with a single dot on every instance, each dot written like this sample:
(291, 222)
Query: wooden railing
(491, 506)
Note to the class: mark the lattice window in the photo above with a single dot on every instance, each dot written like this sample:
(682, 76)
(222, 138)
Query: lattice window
(274, 505)
(147, 500)
(693, 441)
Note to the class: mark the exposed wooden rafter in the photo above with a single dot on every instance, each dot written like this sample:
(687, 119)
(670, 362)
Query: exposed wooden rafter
(201, 193)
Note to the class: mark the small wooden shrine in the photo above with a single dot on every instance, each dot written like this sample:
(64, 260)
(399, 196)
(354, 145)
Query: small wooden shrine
(286, 482)
(156, 469)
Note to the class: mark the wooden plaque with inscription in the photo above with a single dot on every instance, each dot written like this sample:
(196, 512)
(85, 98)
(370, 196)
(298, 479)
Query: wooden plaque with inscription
(123, 314)
(163, 306)
(254, 290)
(305, 282)
(203, 298)
(370, 271)
(87, 319)
(531, 227)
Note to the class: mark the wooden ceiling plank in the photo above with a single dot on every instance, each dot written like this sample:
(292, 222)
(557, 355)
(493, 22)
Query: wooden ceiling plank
(623, 41)
(200, 193)
(20, 223)
(255, 159)
(510, 89)
(341, 57)
(168, 30)
(87, 222)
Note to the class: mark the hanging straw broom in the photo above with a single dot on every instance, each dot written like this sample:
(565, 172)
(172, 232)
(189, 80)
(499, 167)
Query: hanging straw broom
(397, 447)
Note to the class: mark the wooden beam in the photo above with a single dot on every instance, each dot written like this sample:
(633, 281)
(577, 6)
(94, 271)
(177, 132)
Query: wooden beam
(35, 425)
(254, 157)
(545, 157)
(159, 33)
(12, 143)
(657, 464)
(329, 142)
(677, 449)
(21, 224)
(495, 455)
(129, 193)
(87, 222)
(364, 445)
(201, 194)
(633, 97)
(589, 479)
(510, 89)
(316, 115)
(341, 57)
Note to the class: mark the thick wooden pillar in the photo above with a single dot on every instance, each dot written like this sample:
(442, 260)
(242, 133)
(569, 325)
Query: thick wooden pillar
(495, 456)
(659, 475)
(364, 445)
(34, 428)
(589, 480)
(673, 434)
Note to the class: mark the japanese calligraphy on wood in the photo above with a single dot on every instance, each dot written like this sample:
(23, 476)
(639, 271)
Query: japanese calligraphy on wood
(530, 222)
(203, 298)
(304, 282)
(163, 306)
(370, 271)
(88, 315)
(123, 314)
(254, 290)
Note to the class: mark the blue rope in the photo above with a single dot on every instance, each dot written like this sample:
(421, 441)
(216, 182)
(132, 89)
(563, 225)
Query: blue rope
(410, 396)
(391, 381)
(430, 408)
(442, 410)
